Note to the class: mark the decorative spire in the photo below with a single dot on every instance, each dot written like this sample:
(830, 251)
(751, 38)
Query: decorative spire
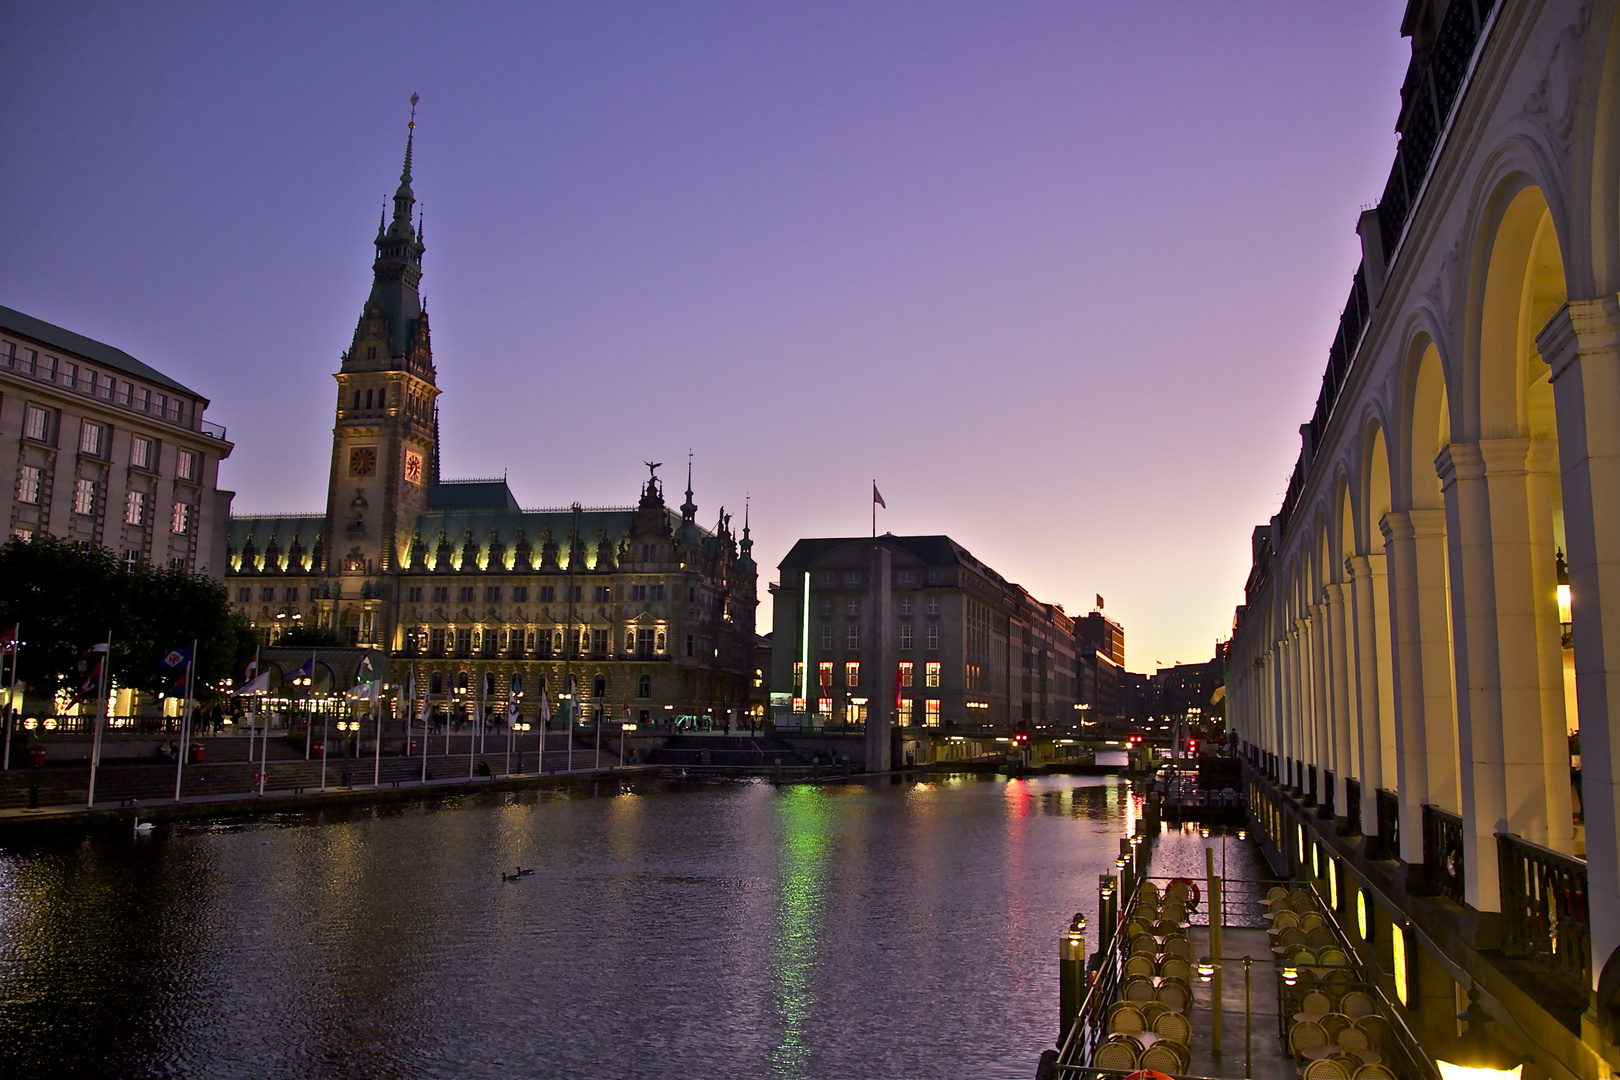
(382, 219)
(404, 197)
(689, 508)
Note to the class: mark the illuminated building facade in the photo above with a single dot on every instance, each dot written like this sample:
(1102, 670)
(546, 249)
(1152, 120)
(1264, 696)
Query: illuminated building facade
(643, 612)
(103, 449)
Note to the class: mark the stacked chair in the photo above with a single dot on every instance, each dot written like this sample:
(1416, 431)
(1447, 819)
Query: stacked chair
(1149, 1026)
(1336, 1031)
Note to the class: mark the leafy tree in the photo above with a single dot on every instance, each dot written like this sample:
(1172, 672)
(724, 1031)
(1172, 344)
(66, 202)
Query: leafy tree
(68, 598)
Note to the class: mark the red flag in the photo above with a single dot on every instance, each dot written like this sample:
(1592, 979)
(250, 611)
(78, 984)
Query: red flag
(8, 640)
(1099, 601)
(91, 682)
(878, 498)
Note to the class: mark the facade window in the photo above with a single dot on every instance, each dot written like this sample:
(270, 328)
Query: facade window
(827, 578)
(414, 594)
(905, 605)
(520, 594)
(826, 638)
(661, 641)
(902, 711)
(798, 704)
(691, 645)
(267, 594)
(24, 535)
(798, 673)
(931, 673)
(463, 647)
(854, 606)
(824, 675)
(36, 423)
(905, 637)
(28, 484)
(933, 577)
(852, 637)
(933, 637)
(464, 594)
(441, 594)
(824, 706)
(657, 592)
(852, 673)
(492, 594)
(931, 712)
(603, 593)
(933, 605)
(142, 453)
(644, 687)
(92, 438)
(135, 508)
(905, 577)
(826, 605)
(84, 497)
(599, 641)
(852, 577)
(579, 593)
(186, 465)
(292, 595)
(548, 594)
(638, 592)
(180, 519)
(906, 673)
(244, 594)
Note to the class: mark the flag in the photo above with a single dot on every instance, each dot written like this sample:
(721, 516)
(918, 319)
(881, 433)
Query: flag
(91, 681)
(8, 640)
(306, 670)
(252, 670)
(260, 684)
(511, 708)
(366, 691)
(1099, 602)
(366, 669)
(545, 710)
(175, 660)
(878, 498)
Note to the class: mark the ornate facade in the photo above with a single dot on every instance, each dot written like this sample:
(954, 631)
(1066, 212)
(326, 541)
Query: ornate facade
(645, 613)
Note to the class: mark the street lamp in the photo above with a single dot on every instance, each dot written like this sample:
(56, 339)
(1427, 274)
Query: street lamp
(1475, 1054)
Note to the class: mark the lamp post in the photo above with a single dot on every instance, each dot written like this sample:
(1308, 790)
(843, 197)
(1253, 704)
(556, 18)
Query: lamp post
(1071, 974)
(624, 736)
(1209, 970)
(1476, 1054)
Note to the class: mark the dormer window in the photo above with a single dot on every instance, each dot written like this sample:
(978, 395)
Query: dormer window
(371, 352)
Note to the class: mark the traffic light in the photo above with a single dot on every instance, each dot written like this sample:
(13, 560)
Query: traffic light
(1021, 735)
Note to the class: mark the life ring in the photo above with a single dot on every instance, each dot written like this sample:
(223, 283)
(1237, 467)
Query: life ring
(1192, 901)
(1148, 1074)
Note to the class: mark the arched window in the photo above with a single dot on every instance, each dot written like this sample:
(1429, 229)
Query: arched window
(660, 642)
(489, 683)
(629, 641)
(599, 686)
(517, 684)
(644, 687)
(461, 680)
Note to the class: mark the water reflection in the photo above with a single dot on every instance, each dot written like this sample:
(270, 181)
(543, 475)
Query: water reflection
(732, 930)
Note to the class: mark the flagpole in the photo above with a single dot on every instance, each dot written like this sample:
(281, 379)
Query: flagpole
(185, 716)
(874, 508)
(427, 714)
(11, 689)
(376, 755)
(101, 719)
(264, 750)
(325, 718)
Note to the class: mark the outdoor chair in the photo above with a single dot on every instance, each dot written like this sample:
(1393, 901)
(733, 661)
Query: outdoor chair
(1179, 946)
(1306, 1035)
(1291, 936)
(1175, 967)
(1357, 1003)
(1277, 892)
(1374, 1072)
(1115, 1054)
(1139, 964)
(1174, 994)
(1125, 1019)
(1144, 945)
(1377, 1029)
(1324, 1069)
(1174, 1025)
(1333, 1023)
(1319, 938)
(1151, 1013)
(1353, 1038)
(1139, 990)
(1315, 1002)
(1310, 920)
(1167, 1057)
(1283, 920)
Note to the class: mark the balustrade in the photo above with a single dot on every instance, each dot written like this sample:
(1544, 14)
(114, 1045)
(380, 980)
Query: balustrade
(1544, 907)
(1352, 806)
(1443, 851)
(1389, 824)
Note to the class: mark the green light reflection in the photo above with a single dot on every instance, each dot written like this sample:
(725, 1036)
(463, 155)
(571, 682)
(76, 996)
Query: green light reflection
(806, 844)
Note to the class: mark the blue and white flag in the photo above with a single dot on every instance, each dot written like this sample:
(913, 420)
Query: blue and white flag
(175, 659)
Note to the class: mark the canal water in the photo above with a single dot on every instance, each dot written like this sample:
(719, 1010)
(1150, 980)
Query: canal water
(879, 929)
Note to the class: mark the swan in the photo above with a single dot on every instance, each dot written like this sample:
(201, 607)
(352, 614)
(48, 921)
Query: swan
(143, 828)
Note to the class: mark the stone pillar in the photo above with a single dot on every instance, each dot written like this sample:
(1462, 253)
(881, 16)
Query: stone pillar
(1581, 343)
(1481, 749)
(1406, 643)
(880, 749)
(1369, 722)
(1342, 713)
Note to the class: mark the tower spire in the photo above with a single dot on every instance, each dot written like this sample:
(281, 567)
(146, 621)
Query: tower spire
(404, 197)
(689, 508)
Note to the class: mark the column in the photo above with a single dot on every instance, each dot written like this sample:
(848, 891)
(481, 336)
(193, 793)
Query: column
(1368, 751)
(1582, 344)
(1482, 788)
(1341, 714)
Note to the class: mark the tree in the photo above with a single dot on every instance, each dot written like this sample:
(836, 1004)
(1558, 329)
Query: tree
(69, 597)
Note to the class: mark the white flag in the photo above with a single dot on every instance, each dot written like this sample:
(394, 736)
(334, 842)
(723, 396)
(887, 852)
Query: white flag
(260, 685)
(511, 709)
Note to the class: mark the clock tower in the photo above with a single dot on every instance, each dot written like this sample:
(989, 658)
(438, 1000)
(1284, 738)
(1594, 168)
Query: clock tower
(385, 440)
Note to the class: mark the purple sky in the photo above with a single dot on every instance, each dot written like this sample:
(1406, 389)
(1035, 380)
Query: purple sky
(1061, 276)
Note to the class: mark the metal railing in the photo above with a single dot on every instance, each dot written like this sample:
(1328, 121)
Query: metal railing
(1443, 851)
(1544, 907)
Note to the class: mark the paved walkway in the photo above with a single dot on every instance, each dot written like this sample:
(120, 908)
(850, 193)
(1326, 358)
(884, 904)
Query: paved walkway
(1268, 1062)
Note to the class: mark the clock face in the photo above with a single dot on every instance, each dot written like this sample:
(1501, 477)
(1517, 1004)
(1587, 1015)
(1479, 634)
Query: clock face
(363, 461)
(413, 467)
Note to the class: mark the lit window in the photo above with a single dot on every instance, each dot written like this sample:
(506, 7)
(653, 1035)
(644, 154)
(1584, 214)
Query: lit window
(798, 704)
(135, 508)
(931, 712)
(905, 636)
(852, 673)
(798, 673)
(853, 636)
(905, 605)
(186, 465)
(180, 519)
(824, 706)
(902, 711)
(84, 496)
(91, 439)
(824, 674)
(24, 535)
(906, 673)
(931, 673)
(36, 423)
(933, 636)
(28, 485)
(826, 638)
